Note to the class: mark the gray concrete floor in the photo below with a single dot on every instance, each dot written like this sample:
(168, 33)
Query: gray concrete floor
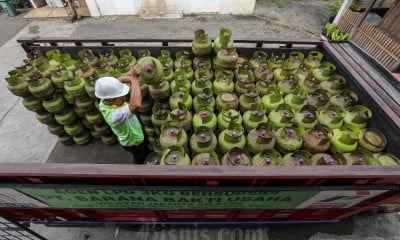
(375, 227)
(23, 139)
(10, 26)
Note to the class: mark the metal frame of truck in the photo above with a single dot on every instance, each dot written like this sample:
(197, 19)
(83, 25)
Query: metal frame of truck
(31, 180)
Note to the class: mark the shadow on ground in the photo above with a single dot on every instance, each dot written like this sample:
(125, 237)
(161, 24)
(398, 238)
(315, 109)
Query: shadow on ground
(95, 152)
(243, 232)
(305, 231)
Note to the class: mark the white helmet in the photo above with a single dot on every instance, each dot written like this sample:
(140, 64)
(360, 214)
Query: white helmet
(110, 87)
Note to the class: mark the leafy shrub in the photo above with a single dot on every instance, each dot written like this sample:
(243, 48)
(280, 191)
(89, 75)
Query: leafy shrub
(335, 34)
(334, 8)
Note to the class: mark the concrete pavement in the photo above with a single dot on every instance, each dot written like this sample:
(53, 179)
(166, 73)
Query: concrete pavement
(376, 227)
(22, 129)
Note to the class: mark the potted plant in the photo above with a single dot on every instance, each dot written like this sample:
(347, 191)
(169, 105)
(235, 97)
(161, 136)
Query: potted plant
(333, 10)
(333, 33)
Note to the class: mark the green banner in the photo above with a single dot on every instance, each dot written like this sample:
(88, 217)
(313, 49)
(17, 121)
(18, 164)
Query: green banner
(122, 198)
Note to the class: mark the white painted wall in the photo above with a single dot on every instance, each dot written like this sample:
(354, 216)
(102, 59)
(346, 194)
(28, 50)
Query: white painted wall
(54, 3)
(93, 8)
(38, 3)
(202, 6)
(161, 6)
(241, 7)
(137, 7)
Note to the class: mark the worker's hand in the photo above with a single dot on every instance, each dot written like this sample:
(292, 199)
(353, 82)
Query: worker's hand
(136, 70)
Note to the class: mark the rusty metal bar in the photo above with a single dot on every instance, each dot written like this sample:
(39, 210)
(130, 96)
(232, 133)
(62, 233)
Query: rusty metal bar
(161, 39)
(28, 170)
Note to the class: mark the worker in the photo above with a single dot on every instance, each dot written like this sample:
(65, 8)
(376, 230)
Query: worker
(120, 115)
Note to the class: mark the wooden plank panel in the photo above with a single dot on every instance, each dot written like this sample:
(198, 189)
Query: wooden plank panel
(389, 44)
(380, 36)
(396, 49)
(387, 23)
(382, 55)
(393, 47)
(82, 3)
(363, 40)
(376, 51)
(344, 25)
(387, 61)
(347, 21)
(370, 43)
(390, 63)
(386, 58)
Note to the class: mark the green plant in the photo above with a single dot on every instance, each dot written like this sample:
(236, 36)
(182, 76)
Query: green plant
(334, 8)
(335, 34)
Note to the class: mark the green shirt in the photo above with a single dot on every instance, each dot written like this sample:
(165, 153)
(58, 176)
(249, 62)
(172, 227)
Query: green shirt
(123, 123)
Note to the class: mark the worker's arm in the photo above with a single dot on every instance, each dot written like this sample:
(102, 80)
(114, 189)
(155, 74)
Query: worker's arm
(125, 79)
(136, 96)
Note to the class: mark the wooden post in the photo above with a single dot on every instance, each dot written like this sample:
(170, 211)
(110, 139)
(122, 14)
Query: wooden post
(358, 24)
(387, 23)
